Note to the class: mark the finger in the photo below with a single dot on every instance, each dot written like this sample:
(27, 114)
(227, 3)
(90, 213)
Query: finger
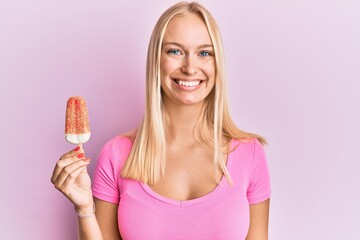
(62, 163)
(70, 181)
(84, 171)
(58, 179)
(78, 149)
(70, 172)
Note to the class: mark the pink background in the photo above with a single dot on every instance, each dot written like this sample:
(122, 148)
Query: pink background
(293, 71)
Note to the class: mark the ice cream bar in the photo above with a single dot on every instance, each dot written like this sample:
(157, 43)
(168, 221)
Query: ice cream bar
(77, 127)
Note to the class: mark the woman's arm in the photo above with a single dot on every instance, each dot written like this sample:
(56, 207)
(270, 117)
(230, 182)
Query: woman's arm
(89, 229)
(71, 178)
(106, 215)
(259, 221)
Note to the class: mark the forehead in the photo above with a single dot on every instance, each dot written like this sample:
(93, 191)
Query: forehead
(189, 29)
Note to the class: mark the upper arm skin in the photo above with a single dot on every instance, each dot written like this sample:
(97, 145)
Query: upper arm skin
(106, 215)
(259, 221)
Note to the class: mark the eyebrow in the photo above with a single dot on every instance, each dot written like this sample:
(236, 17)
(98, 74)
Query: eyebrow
(182, 46)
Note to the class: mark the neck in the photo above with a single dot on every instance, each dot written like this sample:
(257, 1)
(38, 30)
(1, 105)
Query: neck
(181, 122)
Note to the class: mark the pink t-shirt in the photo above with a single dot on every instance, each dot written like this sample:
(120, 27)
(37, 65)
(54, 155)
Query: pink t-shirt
(222, 214)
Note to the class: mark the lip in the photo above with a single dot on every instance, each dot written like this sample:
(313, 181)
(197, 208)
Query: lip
(187, 88)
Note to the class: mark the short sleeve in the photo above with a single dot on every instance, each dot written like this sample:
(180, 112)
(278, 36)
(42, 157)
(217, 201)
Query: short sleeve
(259, 188)
(106, 174)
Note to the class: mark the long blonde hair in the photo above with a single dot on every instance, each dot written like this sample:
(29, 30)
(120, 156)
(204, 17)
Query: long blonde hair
(146, 161)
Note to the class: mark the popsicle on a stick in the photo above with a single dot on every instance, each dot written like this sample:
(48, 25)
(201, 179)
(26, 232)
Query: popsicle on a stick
(77, 127)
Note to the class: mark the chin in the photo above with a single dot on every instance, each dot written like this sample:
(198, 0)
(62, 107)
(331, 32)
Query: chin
(190, 102)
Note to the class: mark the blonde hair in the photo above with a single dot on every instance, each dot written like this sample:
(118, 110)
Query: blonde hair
(146, 161)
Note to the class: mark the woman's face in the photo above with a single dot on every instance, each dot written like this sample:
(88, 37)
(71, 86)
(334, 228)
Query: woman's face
(187, 61)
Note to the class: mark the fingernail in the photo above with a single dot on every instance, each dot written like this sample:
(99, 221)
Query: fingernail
(77, 149)
(80, 155)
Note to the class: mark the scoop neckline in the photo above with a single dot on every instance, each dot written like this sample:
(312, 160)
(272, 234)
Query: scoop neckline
(184, 203)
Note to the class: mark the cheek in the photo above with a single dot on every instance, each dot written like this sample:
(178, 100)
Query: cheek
(167, 66)
(162, 68)
(210, 70)
(165, 71)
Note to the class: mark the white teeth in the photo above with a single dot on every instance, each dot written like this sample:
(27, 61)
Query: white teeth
(188, 83)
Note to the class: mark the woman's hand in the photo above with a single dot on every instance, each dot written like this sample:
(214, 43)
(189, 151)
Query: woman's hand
(71, 178)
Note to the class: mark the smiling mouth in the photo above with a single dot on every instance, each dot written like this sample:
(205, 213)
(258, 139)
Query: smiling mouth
(188, 83)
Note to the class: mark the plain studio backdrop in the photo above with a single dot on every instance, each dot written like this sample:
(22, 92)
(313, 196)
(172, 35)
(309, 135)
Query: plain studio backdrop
(293, 77)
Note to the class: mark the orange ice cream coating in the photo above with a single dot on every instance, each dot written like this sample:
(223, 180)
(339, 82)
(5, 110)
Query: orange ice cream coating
(77, 118)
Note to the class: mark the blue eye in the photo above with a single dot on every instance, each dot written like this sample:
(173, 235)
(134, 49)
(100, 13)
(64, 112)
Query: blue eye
(174, 51)
(205, 53)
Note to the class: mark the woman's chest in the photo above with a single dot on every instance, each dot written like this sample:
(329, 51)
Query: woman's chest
(188, 175)
(221, 214)
(188, 181)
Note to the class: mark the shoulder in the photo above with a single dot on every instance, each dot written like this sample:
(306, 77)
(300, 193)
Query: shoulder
(116, 150)
(247, 152)
(117, 143)
(250, 145)
(106, 184)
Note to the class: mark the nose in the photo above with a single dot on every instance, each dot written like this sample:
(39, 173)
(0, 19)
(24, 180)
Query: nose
(189, 66)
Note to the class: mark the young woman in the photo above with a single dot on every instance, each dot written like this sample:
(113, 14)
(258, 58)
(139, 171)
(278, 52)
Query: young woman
(187, 172)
